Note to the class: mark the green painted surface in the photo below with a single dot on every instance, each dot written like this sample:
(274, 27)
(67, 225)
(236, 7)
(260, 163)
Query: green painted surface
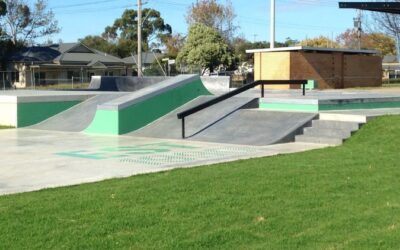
(325, 107)
(145, 112)
(289, 107)
(126, 151)
(32, 113)
(105, 122)
(368, 105)
(311, 84)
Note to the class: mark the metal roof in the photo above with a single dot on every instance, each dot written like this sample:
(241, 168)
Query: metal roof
(147, 58)
(305, 48)
(387, 7)
(65, 53)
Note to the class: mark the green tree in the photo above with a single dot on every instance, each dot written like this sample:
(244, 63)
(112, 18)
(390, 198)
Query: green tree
(3, 8)
(213, 14)
(22, 23)
(377, 41)
(204, 47)
(124, 30)
(174, 44)
(321, 41)
(99, 43)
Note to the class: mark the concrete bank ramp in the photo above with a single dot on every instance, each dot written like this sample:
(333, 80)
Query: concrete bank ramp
(137, 109)
(123, 83)
(256, 127)
(169, 126)
(78, 117)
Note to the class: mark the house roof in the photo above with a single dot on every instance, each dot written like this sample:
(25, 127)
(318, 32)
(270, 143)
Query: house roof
(147, 58)
(389, 59)
(65, 53)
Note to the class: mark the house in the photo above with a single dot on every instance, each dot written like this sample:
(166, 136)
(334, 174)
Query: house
(65, 62)
(390, 67)
(148, 58)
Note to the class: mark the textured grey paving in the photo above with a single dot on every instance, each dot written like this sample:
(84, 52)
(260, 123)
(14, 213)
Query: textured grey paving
(78, 117)
(35, 159)
(169, 126)
(256, 127)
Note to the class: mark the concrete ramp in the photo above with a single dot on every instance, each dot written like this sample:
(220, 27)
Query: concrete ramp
(256, 127)
(122, 83)
(78, 117)
(169, 126)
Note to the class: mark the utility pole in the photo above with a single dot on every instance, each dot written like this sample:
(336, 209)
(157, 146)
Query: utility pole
(357, 26)
(272, 27)
(139, 32)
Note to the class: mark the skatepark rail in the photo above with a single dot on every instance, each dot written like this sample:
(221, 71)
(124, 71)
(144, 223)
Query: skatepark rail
(237, 91)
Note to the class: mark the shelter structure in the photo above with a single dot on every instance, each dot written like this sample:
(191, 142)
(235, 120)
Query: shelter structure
(331, 68)
(387, 7)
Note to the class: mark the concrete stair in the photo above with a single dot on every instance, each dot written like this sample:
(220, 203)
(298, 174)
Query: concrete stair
(331, 129)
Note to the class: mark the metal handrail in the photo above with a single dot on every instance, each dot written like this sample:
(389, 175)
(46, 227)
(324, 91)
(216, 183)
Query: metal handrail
(237, 91)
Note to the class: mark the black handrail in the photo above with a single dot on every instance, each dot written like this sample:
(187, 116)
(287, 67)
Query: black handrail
(223, 97)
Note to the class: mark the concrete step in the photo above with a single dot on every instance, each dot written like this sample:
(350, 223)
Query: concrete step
(327, 124)
(319, 140)
(343, 117)
(329, 132)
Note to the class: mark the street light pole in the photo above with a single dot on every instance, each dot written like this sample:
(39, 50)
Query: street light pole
(139, 32)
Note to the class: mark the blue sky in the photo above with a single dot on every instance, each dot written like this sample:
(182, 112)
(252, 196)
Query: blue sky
(296, 19)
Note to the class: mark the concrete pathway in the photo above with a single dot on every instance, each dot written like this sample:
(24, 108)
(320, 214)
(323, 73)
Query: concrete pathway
(34, 159)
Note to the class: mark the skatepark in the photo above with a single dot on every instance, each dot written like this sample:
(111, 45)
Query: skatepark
(123, 126)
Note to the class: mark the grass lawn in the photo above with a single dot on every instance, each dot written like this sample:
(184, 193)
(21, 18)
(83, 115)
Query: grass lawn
(77, 85)
(5, 127)
(346, 197)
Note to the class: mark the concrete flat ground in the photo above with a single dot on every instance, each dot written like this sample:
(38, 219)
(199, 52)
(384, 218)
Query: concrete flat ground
(34, 159)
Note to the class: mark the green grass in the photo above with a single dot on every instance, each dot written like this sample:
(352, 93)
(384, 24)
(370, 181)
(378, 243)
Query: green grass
(77, 85)
(5, 127)
(346, 197)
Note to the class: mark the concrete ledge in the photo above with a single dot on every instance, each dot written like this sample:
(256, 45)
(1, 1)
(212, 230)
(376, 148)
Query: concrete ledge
(217, 84)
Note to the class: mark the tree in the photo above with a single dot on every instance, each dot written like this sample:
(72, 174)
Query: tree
(204, 47)
(212, 14)
(320, 41)
(389, 23)
(174, 44)
(377, 41)
(99, 43)
(22, 23)
(124, 29)
(3, 8)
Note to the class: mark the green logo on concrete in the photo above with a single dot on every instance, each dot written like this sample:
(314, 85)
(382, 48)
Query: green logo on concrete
(125, 151)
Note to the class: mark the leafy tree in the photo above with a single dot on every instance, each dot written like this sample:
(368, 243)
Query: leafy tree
(320, 41)
(3, 11)
(99, 43)
(240, 45)
(124, 29)
(22, 23)
(204, 47)
(174, 44)
(377, 41)
(291, 42)
(212, 14)
(3, 8)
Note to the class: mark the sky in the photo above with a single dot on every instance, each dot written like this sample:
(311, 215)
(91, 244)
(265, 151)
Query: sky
(297, 19)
